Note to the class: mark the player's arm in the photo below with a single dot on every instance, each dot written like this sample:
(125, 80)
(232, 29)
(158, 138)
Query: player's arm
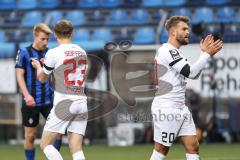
(20, 71)
(48, 66)
(209, 48)
(153, 74)
(21, 83)
(193, 71)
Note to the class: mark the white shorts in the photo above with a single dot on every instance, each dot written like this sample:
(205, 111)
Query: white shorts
(68, 115)
(170, 122)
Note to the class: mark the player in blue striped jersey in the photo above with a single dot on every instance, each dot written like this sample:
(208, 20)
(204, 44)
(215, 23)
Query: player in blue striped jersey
(37, 96)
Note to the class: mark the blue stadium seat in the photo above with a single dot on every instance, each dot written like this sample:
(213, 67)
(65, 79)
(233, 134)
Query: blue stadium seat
(117, 17)
(164, 36)
(89, 4)
(102, 34)
(145, 35)
(31, 18)
(53, 17)
(131, 3)
(110, 3)
(213, 29)
(48, 4)
(81, 35)
(91, 45)
(195, 2)
(175, 2)
(231, 33)
(156, 16)
(68, 4)
(2, 36)
(123, 34)
(234, 2)
(236, 18)
(16, 36)
(139, 16)
(203, 14)
(29, 37)
(8, 4)
(153, 3)
(96, 17)
(12, 19)
(225, 15)
(7, 50)
(216, 2)
(27, 4)
(182, 12)
(76, 17)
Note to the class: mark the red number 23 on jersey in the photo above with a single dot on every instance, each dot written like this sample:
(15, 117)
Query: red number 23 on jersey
(73, 71)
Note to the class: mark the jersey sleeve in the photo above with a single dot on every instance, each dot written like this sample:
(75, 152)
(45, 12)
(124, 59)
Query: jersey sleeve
(49, 63)
(178, 62)
(20, 59)
(172, 58)
(196, 68)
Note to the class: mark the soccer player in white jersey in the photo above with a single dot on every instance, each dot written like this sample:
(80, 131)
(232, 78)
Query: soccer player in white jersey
(171, 117)
(68, 64)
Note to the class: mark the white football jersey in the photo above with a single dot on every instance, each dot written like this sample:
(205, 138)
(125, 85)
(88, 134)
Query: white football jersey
(171, 84)
(68, 62)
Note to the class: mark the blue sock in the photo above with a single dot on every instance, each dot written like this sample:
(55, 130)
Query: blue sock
(30, 154)
(57, 144)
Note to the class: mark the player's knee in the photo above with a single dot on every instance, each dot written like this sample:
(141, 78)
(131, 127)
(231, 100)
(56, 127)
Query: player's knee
(74, 148)
(193, 148)
(42, 145)
(29, 137)
(161, 148)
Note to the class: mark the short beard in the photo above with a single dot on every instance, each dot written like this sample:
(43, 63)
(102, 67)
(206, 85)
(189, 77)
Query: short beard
(182, 41)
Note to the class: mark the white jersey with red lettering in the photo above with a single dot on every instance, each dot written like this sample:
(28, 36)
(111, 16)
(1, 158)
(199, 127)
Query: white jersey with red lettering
(68, 62)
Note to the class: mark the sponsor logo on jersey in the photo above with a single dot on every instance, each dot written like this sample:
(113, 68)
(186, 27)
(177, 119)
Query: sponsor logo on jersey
(175, 54)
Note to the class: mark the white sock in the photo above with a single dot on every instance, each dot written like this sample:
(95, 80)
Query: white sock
(192, 156)
(157, 156)
(78, 156)
(52, 153)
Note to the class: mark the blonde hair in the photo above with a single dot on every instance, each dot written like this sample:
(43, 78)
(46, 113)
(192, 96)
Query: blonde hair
(63, 29)
(41, 27)
(174, 20)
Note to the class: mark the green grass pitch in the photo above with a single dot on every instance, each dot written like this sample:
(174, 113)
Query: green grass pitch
(137, 152)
